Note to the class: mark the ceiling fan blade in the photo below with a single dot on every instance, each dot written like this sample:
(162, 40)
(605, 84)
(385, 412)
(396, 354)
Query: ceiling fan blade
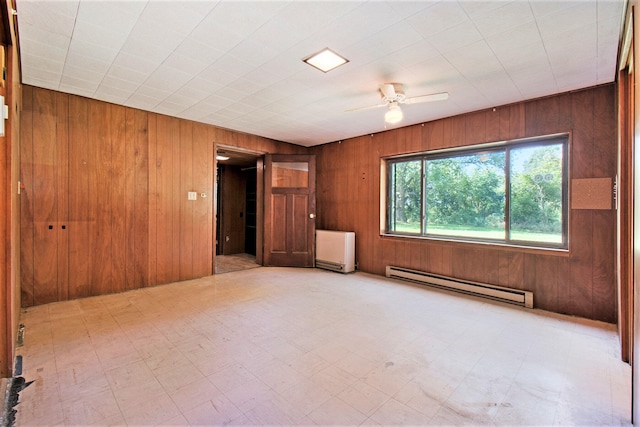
(388, 91)
(370, 107)
(427, 98)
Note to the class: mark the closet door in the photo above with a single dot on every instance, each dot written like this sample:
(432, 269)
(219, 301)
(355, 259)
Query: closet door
(43, 217)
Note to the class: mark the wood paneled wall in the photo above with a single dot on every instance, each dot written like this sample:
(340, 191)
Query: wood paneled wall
(580, 282)
(104, 206)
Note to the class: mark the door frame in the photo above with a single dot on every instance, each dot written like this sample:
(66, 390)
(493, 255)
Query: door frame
(259, 155)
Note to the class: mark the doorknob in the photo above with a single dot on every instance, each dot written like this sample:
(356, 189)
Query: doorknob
(312, 216)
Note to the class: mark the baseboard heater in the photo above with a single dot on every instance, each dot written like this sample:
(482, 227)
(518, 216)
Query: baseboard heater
(485, 290)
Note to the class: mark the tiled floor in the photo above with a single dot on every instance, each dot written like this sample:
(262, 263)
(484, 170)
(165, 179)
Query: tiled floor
(235, 262)
(304, 347)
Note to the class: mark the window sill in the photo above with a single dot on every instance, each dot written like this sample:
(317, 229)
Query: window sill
(475, 244)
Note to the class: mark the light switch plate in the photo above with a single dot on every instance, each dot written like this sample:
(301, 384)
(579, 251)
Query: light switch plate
(192, 195)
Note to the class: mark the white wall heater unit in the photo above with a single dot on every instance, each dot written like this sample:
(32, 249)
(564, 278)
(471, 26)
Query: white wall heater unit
(336, 250)
(497, 293)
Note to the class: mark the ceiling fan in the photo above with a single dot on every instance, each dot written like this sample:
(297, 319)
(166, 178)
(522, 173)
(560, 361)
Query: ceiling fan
(393, 95)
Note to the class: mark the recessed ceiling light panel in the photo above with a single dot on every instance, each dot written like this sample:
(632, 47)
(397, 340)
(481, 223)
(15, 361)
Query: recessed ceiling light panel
(325, 60)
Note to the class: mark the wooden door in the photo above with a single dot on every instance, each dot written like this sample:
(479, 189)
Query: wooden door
(289, 207)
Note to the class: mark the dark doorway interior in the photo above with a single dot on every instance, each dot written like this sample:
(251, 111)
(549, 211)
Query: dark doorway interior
(236, 219)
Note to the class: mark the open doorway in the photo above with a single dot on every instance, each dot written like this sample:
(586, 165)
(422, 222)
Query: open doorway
(238, 210)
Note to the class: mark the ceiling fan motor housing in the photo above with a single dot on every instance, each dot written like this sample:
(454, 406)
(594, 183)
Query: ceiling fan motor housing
(392, 92)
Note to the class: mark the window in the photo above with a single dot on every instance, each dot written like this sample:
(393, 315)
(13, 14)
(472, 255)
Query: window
(513, 193)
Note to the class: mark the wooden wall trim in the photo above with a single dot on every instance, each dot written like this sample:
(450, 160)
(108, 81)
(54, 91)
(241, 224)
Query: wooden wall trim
(10, 217)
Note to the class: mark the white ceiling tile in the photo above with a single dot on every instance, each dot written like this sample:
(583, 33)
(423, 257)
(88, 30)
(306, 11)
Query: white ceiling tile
(511, 44)
(44, 7)
(228, 65)
(215, 102)
(120, 18)
(89, 64)
(191, 66)
(413, 54)
(360, 23)
(211, 33)
(405, 9)
(606, 69)
(36, 62)
(76, 83)
(261, 115)
(392, 39)
(474, 59)
(107, 96)
(76, 90)
(567, 20)
(242, 18)
(498, 88)
(230, 94)
(42, 50)
(169, 108)
(568, 82)
(198, 6)
(35, 34)
(610, 9)
(152, 92)
(48, 83)
(156, 41)
(42, 73)
(83, 74)
(218, 76)
(542, 8)
(136, 63)
(54, 17)
(142, 102)
(581, 43)
(529, 79)
(85, 49)
(438, 18)
(178, 98)
(167, 79)
(244, 86)
(436, 71)
(126, 74)
(99, 36)
(504, 18)
(115, 92)
(254, 54)
(193, 50)
(174, 15)
(112, 82)
(237, 109)
(475, 7)
(530, 56)
(199, 88)
(263, 79)
(197, 112)
(309, 17)
(456, 37)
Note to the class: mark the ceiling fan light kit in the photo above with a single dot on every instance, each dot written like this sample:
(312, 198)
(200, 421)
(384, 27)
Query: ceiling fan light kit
(393, 114)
